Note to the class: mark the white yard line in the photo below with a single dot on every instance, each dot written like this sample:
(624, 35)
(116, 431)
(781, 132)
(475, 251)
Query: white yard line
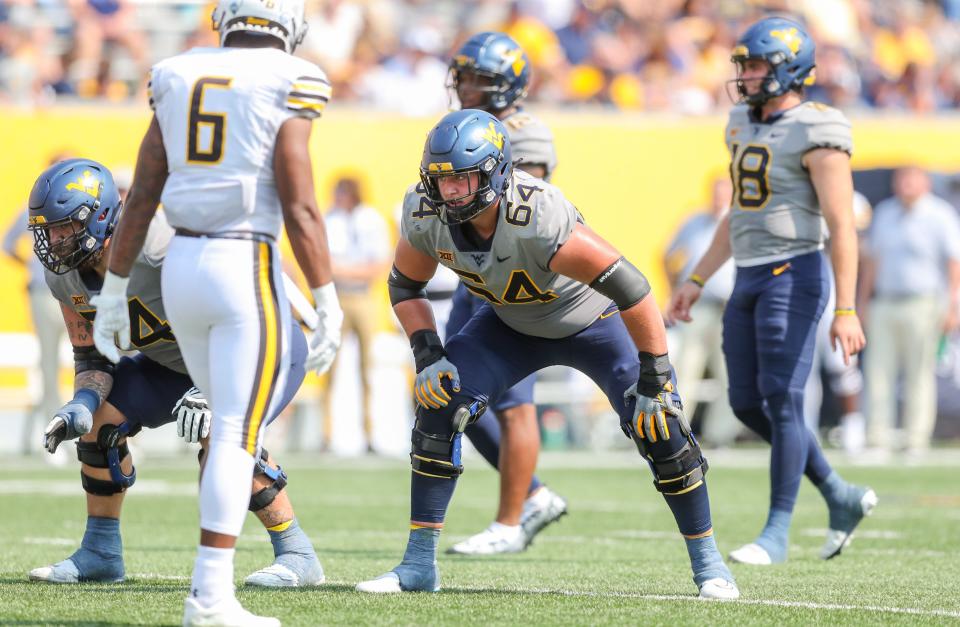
(807, 605)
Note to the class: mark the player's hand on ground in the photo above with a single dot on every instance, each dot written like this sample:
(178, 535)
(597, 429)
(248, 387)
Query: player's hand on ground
(846, 335)
(113, 317)
(428, 389)
(681, 301)
(650, 413)
(193, 416)
(326, 337)
(70, 422)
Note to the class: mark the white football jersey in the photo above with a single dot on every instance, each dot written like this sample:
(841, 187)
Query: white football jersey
(220, 110)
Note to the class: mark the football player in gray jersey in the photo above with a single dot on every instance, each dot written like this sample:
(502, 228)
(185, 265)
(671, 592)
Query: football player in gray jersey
(559, 295)
(790, 164)
(74, 207)
(491, 73)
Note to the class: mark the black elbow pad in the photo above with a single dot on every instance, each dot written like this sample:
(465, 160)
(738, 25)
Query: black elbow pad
(402, 287)
(622, 283)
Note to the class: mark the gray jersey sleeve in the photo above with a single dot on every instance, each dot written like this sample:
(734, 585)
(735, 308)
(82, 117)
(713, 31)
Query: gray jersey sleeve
(531, 141)
(826, 127)
(552, 223)
(418, 217)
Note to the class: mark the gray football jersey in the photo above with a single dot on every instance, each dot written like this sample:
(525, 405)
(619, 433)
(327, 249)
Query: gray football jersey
(531, 141)
(149, 330)
(775, 214)
(511, 271)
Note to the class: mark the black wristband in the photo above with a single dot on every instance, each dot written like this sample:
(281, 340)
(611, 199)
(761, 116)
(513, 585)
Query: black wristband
(654, 373)
(427, 348)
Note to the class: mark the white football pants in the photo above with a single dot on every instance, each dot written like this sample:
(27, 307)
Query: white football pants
(226, 305)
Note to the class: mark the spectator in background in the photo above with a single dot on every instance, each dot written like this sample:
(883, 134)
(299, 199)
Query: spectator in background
(47, 322)
(911, 278)
(359, 241)
(99, 23)
(700, 341)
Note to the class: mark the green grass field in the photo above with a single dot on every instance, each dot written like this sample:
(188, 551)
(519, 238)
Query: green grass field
(616, 559)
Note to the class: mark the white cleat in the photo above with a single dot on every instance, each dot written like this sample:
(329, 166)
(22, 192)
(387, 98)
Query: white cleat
(228, 612)
(719, 588)
(753, 554)
(61, 572)
(388, 583)
(539, 510)
(837, 539)
(493, 540)
(279, 576)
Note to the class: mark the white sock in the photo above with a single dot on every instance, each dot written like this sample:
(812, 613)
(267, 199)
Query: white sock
(225, 488)
(853, 432)
(212, 575)
(506, 531)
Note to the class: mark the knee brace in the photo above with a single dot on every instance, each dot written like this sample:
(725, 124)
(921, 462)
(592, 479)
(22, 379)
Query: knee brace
(436, 438)
(107, 452)
(266, 496)
(676, 471)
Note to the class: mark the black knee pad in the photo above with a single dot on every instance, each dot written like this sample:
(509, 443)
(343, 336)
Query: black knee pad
(437, 433)
(107, 452)
(267, 495)
(678, 464)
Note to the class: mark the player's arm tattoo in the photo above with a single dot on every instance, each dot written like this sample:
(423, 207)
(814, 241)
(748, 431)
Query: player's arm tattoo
(80, 331)
(142, 201)
(96, 380)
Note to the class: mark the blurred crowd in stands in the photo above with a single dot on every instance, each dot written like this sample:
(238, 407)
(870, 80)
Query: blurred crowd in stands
(646, 55)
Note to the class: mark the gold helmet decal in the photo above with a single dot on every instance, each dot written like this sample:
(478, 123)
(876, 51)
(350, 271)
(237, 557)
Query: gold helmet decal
(514, 58)
(790, 37)
(492, 135)
(86, 183)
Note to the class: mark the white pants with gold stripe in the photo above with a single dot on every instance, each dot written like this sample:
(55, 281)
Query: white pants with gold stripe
(226, 306)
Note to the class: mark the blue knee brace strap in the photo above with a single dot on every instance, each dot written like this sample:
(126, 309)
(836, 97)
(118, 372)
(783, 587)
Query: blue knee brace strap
(438, 454)
(107, 452)
(266, 496)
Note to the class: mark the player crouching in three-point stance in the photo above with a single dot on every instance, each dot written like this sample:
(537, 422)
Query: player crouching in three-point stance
(227, 153)
(74, 207)
(561, 295)
(790, 163)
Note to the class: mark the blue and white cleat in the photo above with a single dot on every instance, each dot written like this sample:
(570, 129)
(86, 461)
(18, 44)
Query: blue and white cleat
(719, 588)
(752, 554)
(61, 572)
(403, 578)
(66, 571)
(844, 521)
(288, 572)
(493, 540)
(541, 509)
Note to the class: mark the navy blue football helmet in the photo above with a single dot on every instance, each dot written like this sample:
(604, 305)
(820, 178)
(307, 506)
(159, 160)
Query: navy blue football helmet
(81, 194)
(786, 47)
(461, 143)
(498, 58)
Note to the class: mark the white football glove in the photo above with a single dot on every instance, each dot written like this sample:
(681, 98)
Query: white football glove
(326, 337)
(111, 326)
(193, 416)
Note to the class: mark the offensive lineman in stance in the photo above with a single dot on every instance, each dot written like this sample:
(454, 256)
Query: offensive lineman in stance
(74, 207)
(491, 72)
(560, 295)
(231, 126)
(790, 163)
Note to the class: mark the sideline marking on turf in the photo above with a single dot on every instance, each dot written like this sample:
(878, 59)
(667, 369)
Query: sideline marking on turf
(808, 605)
(51, 541)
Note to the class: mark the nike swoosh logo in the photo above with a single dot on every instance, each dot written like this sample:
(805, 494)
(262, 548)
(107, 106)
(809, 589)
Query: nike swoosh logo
(502, 259)
(607, 314)
(781, 269)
